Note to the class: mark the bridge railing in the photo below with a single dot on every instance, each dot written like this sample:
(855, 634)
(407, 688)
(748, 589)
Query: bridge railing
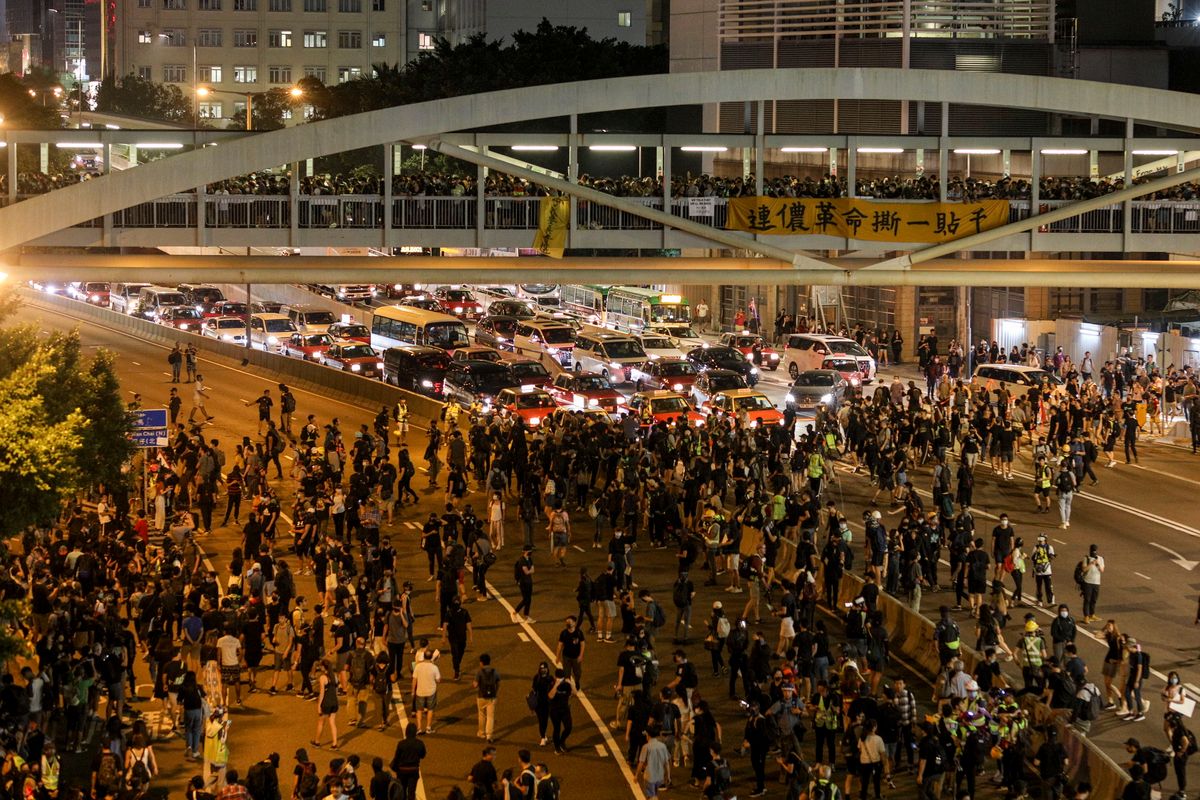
(521, 213)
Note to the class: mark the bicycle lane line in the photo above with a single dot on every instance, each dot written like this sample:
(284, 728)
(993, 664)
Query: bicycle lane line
(613, 748)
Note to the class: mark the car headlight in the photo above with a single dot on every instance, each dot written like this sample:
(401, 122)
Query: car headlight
(552, 351)
(379, 364)
(272, 340)
(854, 381)
(356, 367)
(427, 384)
(789, 397)
(501, 339)
(615, 365)
(534, 420)
(227, 337)
(753, 423)
(749, 356)
(827, 398)
(678, 387)
(621, 399)
(774, 356)
(593, 402)
(95, 298)
(458, 309)
(754, 370)
(341, 294)
(653, 357)
(183, 327)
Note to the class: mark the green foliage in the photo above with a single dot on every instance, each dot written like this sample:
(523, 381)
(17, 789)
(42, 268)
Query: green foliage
(13, 613)
(39, 456)
(268, 109)
(550, 54)
(138, 97)
(20, 110)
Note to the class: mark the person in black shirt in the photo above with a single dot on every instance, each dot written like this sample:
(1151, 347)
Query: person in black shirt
(483, 776)
(571, 645)
(987, 672)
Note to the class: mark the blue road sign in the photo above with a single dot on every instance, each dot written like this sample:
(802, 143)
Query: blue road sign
(149, 427)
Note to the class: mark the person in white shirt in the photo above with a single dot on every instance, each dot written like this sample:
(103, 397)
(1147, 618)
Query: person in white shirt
(426, 677)
(229, 648)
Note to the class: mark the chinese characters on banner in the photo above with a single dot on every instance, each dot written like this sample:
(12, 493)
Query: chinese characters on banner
(553, 220)
(865, 220)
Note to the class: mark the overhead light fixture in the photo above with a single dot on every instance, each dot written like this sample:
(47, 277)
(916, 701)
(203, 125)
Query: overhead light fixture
(535, 148)
(704, 148)
(972, 151)
(1057, 152)
(612, 148)
(804, 149)
(419, 147)
(77, 145)
(112, 127)
(889, 150)
(161, 146)
(1156, 152)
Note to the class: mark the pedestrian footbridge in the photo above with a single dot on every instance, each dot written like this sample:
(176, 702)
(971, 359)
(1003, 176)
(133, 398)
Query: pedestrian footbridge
(920, 196)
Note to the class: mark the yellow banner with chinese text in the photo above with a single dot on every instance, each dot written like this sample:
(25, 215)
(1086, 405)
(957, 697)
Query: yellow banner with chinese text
(553, 220)
(865, 220)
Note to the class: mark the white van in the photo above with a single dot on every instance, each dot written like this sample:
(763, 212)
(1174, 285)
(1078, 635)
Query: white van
(533, 337)
(308, 319)
(614, 355)
(805, 351)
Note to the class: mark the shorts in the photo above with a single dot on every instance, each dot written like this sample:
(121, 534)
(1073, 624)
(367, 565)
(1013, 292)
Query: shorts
(282, 661)
(231, 674)
(560, 539)
(1111, 669)
(191, 650)
(1042, 491)
(1006, 456)
(425, 703)
(609, 607)
(734, 559)
(342, 660)
(362, 695)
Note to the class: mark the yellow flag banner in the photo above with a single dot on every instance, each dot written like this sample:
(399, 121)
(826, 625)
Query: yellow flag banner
(865, 220)
(554, 217)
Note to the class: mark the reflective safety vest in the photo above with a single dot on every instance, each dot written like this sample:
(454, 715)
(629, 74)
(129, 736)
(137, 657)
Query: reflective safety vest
(1044, 477)
(816, 467)
(825, 715)
(1033, 650)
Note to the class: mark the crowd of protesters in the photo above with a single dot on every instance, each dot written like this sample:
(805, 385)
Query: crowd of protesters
(442, 184)
(746, 516)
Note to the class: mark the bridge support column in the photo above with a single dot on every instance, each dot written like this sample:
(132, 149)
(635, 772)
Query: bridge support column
(201, 218)
(107, 223)
(906, 319)
(481, 173)
(851, 166)
(389, 169)
(1127, 167)
(294, 204)
(573, 177)
(10, 149)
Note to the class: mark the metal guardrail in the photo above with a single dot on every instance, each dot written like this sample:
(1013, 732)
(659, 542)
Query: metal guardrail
(223, 211)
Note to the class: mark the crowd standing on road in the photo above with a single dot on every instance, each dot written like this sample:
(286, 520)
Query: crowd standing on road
(751, 518)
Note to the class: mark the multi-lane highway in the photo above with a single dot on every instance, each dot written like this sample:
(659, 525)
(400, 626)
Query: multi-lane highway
(1143, 518)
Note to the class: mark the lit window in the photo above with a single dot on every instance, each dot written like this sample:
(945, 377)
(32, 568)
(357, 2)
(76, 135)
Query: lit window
(209, 37)
(145, 37)
(349, 74)
(379, 40)
(245, 74)
(174, 73)
(280, 39)
(350, 40)
(624, 19)
(316, 38)
(279, 74)
(245, 38)
(209, 73)
(210, 110)
(424, 41)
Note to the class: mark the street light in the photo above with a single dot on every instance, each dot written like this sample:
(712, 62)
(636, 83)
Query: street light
(203, 91)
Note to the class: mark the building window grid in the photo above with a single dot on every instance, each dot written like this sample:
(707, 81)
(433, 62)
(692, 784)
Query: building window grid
(315, 72)
(350, 40)
(145, 37)
(245, 5)
(316, 39)
(174, 37)
(349, 6)
(280, 6)
(210, 110)
(316, 6)
(378, 5)
(245, 73)
(209, 37)
(245, 38)
(379, 40)
(208, 5)
(624, 19)
(425, 41)
(174, 73)
(143, 3)
(279, 74)
(279, 39)
(209, 73)
(175, 5)
(346, 74)
(144, 73)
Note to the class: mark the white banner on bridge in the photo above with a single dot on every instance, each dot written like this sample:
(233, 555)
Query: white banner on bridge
(702, 206)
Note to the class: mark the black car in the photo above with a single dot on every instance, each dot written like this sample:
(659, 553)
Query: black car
(469, 381)
(721, 357)
(418, 368)
(512, 307)
(496, 330)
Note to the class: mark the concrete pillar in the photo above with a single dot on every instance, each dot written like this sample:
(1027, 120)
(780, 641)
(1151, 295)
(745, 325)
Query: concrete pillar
(906, 319)
(573, 175)
(1037, 302)
(294, 204)
(851, 166)
(389, 170)
(10, 147)
(44, 157)
(481, 173)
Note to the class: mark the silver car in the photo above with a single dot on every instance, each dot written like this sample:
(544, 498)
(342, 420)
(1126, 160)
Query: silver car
(816, 387)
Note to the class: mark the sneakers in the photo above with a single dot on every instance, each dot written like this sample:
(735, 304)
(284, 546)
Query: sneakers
(1138, 718)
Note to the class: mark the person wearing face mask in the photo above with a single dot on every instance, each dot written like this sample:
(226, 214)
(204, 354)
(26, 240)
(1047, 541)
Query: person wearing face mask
(1139, 668)
(1173, 692)
(1062, 631)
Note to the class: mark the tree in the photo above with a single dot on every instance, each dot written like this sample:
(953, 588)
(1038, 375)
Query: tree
(20, 110)
(138, 97)
(267, 112)
(39, 457)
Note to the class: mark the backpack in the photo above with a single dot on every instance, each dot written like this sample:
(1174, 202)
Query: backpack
(1191, 747)
(489, 683)
(306, 787)
(551, 790)
(948, 633)
(1078, 574)
(489, 558)
(722, 775)
(1068, 683)
(680, 595)
(1090, 709)
(288, 402)
(823, 790)
(656, 615)
(256, 782)
(139, 773)
(109, 774)
(1065, 482)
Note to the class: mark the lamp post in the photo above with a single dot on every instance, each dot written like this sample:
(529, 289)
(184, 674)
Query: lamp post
(195, 83)
(203, 91)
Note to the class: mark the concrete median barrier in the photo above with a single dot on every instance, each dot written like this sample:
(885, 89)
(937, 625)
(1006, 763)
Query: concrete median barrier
(348, 386)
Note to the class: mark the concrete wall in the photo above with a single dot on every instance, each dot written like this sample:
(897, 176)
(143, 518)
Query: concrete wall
(345, 385)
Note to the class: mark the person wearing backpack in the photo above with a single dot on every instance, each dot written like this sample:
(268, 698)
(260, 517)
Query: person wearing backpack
(1089, 704)
(487, 688)
(358, 668)
(1065, 485)
(1062, 632)
(107, 774)
(140, 764)
(1051, 762)
(1089, 582)
(1041, 557)
(947, 636)
(720, 777)
(262, 779)
(1183, 747)
(175, 359)
(656, 618)
(931, 763)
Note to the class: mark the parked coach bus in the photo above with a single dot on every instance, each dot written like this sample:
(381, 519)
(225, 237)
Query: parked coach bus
(393, 326)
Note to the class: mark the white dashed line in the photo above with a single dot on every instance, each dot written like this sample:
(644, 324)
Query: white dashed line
(135, 363)
(1140, 575)
(522, 636)
(580, 549)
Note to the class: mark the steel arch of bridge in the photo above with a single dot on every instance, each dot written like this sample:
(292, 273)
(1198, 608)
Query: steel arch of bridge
(46, 214)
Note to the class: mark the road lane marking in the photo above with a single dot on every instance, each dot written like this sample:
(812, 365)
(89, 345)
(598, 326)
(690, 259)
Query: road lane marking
(1061, 541)
(580, 549)
(599, 722)
(1178, 559)
(135, 363)
(1164, 473)
(402, 719)
(1140, 575)
(522, 637)
(600, 751)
